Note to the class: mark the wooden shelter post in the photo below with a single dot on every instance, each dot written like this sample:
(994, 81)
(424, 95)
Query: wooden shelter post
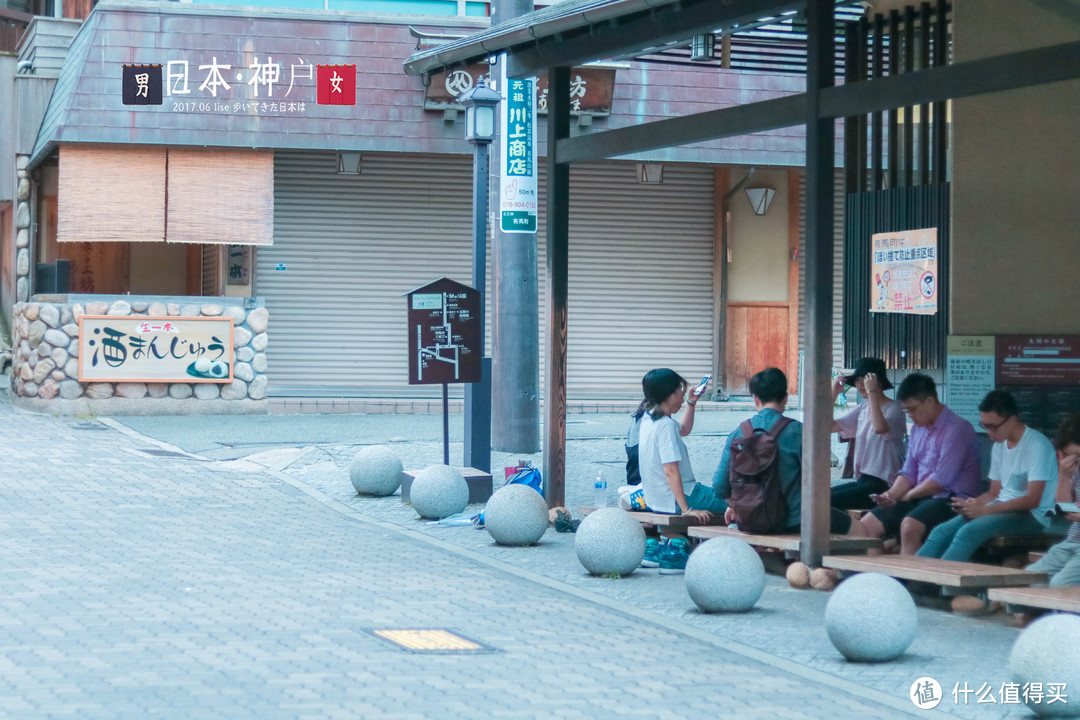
(818, 408)
(558, 243)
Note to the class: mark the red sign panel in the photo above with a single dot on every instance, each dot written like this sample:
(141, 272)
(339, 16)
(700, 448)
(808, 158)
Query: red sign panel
(336, 84)
(1038, 360)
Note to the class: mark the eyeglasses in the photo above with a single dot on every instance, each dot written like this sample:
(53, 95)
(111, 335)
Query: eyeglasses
(993, 427)
(913, 408)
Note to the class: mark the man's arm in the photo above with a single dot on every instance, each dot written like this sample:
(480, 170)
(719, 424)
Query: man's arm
(720, 484)
(1066, 467)
(1025, 503)
(956, 448)
(927, 488)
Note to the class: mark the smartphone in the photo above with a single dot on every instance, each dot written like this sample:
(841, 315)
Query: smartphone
(700, 387)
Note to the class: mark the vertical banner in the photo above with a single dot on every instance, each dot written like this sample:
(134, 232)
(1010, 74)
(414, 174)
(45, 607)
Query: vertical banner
(518, 196)
(969, 374)
(904, 269)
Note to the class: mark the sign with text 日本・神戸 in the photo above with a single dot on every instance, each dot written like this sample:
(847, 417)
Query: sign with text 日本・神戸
(136, 348)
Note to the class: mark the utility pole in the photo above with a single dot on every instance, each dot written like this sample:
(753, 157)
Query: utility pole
(515, 328)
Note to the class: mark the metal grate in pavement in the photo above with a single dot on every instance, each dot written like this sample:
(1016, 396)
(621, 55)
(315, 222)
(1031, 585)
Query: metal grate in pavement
(431, 641)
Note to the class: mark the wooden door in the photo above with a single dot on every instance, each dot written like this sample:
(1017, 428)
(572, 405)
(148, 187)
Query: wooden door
(757, 338)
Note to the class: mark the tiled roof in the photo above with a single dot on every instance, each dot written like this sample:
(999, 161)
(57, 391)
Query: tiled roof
(87, 107)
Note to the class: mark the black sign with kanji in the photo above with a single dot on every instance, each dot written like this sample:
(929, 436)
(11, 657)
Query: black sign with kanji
(142, 84)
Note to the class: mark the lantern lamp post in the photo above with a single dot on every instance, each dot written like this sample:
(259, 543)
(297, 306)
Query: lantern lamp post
(480, 103)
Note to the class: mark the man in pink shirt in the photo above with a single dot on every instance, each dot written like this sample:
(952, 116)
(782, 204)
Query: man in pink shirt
(942, 463)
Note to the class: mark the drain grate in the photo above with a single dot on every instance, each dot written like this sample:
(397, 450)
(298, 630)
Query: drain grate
(431, 641)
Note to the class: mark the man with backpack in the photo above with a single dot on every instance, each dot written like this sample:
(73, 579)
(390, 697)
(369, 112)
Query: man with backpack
(760, 472)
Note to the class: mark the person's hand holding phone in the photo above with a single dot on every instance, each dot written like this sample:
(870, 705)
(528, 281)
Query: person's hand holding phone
(698, 390)
(883, 500)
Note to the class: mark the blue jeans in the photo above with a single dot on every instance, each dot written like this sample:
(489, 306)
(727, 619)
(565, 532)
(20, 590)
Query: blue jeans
(959, 538)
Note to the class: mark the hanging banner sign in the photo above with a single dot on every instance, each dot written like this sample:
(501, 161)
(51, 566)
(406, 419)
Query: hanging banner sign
(904, 271)
(519, 198)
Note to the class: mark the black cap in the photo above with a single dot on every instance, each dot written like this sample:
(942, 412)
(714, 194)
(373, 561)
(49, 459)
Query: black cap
(867, 366)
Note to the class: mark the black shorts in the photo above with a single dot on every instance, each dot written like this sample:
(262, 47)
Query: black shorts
(931, 512)
(839, 523)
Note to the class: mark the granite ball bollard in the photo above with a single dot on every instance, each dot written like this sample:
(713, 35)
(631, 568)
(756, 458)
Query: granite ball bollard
(376, 470)
(871, 618)
(1048, 651)
(609, 541)
(516, 515)
(439, 491)
(725, 575)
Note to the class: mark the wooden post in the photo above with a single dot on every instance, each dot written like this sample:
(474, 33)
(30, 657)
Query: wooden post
(820, 179)
(558, 235)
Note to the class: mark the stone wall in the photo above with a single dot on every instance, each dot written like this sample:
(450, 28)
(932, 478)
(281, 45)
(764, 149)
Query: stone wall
(45, 366)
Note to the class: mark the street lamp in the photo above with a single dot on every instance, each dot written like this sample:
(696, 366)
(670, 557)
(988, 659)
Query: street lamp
(480, 103)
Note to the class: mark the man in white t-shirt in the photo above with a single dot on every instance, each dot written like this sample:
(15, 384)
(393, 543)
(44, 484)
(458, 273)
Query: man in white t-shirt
(1023, 481)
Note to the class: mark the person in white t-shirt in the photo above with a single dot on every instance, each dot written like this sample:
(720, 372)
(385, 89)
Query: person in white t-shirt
(1023, 482)
(878, 427)
(667, 479)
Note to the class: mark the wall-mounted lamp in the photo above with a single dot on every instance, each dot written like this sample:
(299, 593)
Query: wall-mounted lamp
(650, 173)
(703, 47)
(760, 198)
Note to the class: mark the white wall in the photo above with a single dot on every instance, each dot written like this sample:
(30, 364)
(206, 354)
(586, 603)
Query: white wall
(1016, 159)
(759, 243)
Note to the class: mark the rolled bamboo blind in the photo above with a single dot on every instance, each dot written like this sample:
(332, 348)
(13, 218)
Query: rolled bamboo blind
(111, 194)
(220, 196)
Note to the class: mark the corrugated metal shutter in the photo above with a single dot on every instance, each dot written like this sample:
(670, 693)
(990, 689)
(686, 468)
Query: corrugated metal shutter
(346, 250)
(640, 271)
(211, 270)
(640, 277)
(838, 267)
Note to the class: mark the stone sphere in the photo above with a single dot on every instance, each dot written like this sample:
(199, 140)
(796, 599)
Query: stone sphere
(376, 470)
(824, 579)
(439, 491)
(798, 575)
(725, 575)
(1048, 651)
(871, 618)
(516, 515)
(610, 541)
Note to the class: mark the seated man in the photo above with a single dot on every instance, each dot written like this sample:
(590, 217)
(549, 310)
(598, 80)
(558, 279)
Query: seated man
(942, 463)
(769, 388)
(1023, 478)
(877, 427)
(1062, 562)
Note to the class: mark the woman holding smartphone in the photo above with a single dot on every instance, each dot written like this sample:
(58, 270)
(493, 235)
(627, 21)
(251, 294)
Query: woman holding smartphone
(667, 480)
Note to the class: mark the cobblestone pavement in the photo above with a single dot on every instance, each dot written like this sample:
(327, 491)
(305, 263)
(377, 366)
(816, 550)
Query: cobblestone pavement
(135, 583)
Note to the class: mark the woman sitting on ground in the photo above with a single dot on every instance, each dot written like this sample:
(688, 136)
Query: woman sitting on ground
(667, 481)
(878, 427)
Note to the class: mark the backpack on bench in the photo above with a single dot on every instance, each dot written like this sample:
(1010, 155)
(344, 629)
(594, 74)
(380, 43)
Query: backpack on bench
(757, 495)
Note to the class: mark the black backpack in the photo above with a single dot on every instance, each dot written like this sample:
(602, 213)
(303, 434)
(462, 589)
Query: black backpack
(757, 495)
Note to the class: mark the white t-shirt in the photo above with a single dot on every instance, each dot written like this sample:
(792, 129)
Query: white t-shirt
(659, 442)
(1033, 459)
(877, 455)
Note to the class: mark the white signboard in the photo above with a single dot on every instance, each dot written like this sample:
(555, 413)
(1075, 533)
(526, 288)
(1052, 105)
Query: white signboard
(969, 374)
(519, 198)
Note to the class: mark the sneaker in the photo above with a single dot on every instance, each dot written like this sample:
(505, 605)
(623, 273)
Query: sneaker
(673, 559)
(653, 551)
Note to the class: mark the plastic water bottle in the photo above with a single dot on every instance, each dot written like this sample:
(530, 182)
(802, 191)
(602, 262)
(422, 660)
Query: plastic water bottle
(600, 491)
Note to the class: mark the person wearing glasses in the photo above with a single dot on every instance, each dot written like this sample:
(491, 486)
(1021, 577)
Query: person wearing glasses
(1023, 481)
(942, 463)
(1062, 561)
(878, 427)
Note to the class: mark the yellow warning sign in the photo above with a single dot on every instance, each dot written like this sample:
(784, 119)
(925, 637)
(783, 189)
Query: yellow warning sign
(432, 640)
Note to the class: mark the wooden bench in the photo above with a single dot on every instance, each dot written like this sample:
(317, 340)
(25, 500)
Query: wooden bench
(788, 543)
(1035, 557)
(1041, 541)
(936, 572)
(1049, 598)
(674, 522)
